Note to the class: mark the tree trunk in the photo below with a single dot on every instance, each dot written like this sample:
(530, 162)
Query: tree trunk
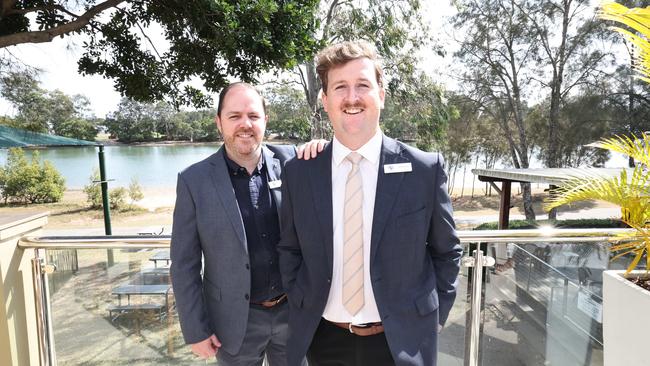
(552, 157)
(528, 201)
(312, 88)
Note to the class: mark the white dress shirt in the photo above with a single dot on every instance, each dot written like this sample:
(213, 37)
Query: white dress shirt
(369, 166)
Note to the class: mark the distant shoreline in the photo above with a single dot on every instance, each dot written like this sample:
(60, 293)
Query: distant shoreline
(185, 143)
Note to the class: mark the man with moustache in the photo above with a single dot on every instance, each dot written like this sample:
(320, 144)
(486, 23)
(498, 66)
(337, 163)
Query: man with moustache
(232, 304)
(369, 254)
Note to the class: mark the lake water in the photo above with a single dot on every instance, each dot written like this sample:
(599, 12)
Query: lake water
(152, 166)
(157, 166)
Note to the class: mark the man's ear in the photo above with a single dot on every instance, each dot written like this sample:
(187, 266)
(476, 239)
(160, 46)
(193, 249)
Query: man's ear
(382, 97)
(217, 121)
(324, 98)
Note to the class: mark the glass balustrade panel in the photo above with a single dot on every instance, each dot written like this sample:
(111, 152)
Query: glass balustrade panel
(543, 304)
(452, 339)
(115, 308)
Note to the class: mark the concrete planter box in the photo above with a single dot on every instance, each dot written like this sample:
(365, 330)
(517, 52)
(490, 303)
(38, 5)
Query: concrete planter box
(626, 320)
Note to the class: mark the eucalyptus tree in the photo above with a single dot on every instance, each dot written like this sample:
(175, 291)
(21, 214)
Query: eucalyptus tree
(418, 110)
(209, 40)
(44, 111)
(567, 33)
(23, 91)
(395, 27)
(496, 54)
(584, 117)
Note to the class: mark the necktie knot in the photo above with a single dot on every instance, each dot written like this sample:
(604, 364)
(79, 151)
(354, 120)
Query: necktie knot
(354, 158)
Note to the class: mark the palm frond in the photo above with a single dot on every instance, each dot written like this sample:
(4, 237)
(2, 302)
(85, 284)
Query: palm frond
(636, 147)
(631, 193)
(638, 19)
(637, 243)
(635, 18)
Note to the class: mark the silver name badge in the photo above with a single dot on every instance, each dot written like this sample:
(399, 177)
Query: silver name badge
(275, 184)
(397, 168)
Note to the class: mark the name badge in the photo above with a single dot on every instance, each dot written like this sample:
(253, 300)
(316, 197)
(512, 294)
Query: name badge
(275, 184)
(397, 168)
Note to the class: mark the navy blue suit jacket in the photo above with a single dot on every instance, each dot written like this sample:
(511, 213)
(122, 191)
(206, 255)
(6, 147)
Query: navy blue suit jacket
(414, 258)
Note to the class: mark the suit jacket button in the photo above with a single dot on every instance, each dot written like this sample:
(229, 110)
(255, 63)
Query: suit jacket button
(248, 266)
(247, 297)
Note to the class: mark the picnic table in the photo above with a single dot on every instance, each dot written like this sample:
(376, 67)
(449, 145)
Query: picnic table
(129, 290)
(161, 255)
(152, 276)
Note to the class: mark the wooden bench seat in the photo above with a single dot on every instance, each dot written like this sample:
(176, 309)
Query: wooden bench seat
(114, 311)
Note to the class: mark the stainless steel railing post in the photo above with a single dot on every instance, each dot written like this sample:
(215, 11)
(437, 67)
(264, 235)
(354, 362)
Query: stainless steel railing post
(475, 310)
(478, 262)
(47, 356)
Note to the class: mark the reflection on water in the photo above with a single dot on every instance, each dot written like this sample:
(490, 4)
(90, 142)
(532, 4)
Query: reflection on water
(153, 166)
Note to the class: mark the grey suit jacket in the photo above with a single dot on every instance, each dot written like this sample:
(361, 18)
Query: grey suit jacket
(414, 257)
(207, 223)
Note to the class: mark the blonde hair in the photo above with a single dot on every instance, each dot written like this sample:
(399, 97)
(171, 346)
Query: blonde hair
(341, 53)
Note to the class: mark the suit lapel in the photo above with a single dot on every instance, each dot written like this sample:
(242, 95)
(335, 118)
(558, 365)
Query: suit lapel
(320, 177)
(388, 186)
(273, 174)
(226, 194)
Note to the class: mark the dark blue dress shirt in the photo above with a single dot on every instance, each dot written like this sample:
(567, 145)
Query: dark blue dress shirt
(260, 216)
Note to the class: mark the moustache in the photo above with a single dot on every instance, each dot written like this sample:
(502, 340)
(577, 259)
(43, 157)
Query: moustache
(354, 105)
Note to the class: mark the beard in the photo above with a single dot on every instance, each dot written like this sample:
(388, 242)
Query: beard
(242, 147)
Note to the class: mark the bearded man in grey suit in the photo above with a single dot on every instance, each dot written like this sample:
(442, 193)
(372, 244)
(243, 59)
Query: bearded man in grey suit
(368, 253)
(224, 267)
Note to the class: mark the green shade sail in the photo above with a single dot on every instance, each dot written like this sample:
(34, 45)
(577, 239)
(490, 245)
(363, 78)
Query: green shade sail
(13, 137)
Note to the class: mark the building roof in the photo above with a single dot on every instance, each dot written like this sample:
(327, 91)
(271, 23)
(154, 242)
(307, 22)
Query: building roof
(552, 176)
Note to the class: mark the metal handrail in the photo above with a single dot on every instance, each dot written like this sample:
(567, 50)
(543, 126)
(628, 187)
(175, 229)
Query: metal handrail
(541, 235)
(550, 236)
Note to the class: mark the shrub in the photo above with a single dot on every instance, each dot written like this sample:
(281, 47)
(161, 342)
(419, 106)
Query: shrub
(30, 182)
(135, 191)
(93, 190)
(560, 224)
(116, 196)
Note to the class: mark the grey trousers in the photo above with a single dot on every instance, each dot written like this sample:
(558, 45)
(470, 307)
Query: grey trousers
(266, 335)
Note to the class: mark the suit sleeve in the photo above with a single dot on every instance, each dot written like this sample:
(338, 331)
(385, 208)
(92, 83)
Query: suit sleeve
(290, 255)
(185, 255)
(443, 244)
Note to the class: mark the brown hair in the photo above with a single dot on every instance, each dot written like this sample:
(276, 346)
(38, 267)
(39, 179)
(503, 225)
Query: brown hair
(341, 53)
(224, 92)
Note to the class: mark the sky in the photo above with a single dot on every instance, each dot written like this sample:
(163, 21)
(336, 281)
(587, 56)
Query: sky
(58, 62)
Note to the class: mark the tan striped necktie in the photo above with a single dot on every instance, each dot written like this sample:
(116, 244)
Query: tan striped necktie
(353, 238)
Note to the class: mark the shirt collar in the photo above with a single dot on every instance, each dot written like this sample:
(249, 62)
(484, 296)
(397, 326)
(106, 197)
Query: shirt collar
(370, 150)
(234, 168)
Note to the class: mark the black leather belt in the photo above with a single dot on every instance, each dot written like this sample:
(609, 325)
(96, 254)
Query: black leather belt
(271, 303)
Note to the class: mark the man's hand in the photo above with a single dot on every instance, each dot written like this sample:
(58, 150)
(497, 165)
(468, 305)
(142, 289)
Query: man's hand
(207, 348)
(311, 149)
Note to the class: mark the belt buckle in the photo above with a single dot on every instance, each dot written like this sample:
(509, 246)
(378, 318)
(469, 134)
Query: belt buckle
(365, 325)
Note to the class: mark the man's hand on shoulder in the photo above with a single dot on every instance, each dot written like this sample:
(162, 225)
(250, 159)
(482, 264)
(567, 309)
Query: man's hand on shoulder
(311, 149)
(207, 348)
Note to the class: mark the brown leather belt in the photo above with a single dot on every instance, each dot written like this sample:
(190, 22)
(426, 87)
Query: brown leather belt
(271, 303)
(363, 330)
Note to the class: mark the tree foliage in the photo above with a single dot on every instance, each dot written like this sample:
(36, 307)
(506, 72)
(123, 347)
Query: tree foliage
(205, 39)
(288, 113)
(32, 181)
(116, 196)
(584, 118)
(141, 122)
(417, 110)
(44, 111)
